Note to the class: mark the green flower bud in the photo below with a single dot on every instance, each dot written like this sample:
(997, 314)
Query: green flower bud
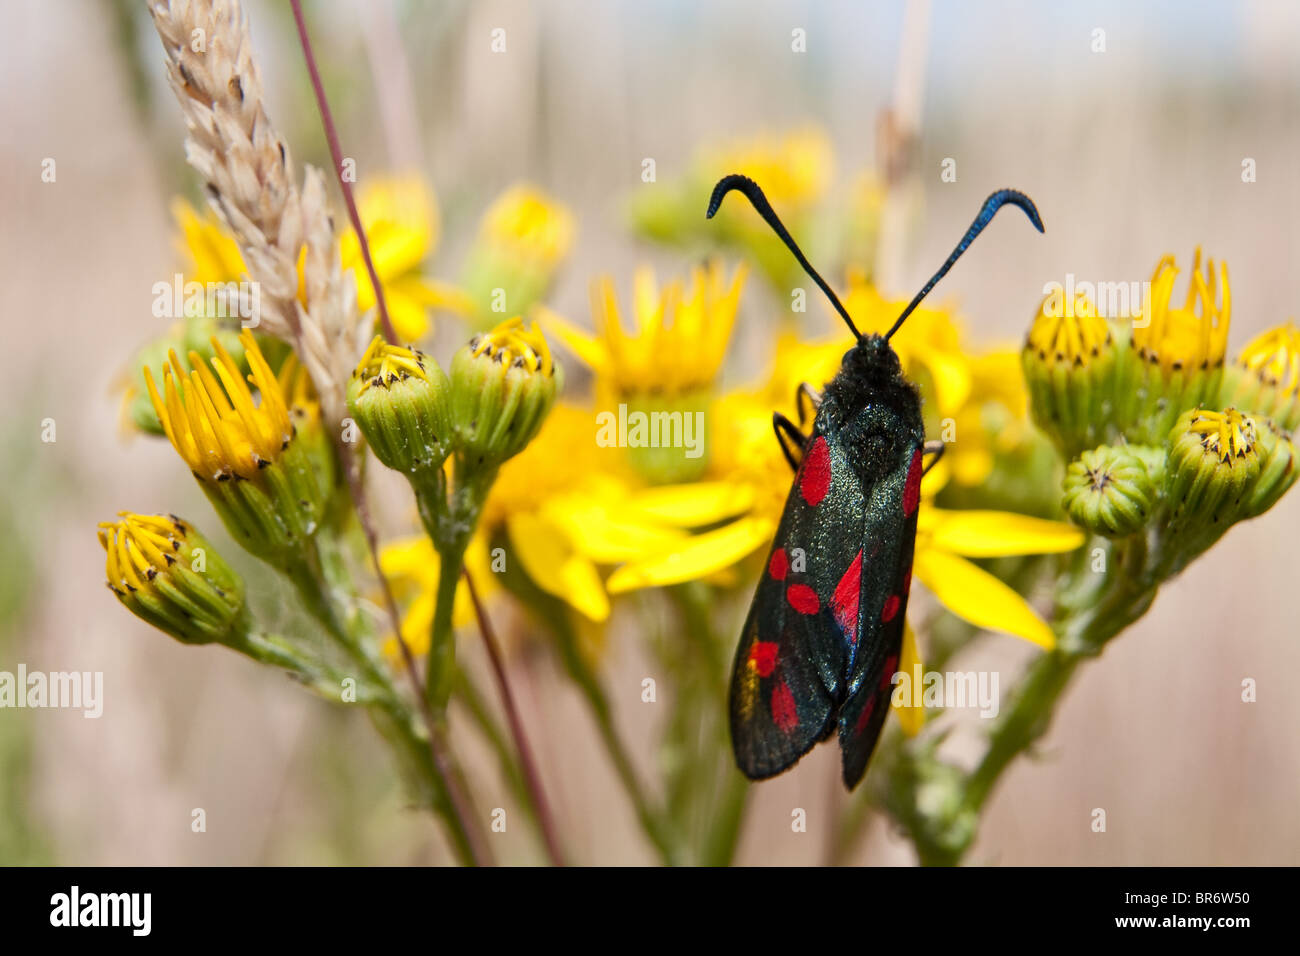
(503, 384)
(522, 239)
(1277, 472)
(1265, 378)
(167, 574)
(261, 477)
(1112, 491)
(1214, 462)
(401, 400)
(1069, 361)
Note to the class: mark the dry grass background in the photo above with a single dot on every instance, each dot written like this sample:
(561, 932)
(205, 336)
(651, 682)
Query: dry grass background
(1129, 154)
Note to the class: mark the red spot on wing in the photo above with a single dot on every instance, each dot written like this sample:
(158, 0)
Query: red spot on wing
(803, 599)
(891, 667)
(784, 713)
(890, 609)
(763, 654)
(912, 490)
(844, 603)
(815, 478)
(779, 566)
(865, 716)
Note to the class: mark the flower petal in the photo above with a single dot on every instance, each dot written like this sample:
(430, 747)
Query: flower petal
(911, 717)
(589, 349)
(548, 558)
(696, 504)
(976, 596)
(698, 556)
(995, 534)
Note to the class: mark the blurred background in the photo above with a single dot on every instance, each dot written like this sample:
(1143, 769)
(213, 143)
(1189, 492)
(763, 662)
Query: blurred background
(1130, 152)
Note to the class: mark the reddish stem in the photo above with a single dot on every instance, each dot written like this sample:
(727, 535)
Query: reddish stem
(336, 154)
(531, 778)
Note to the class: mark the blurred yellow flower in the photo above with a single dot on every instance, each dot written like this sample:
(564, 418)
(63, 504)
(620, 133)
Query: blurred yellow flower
(793, 168)
(677, 342)
(527, 224)
(411, 565)
(400, 216)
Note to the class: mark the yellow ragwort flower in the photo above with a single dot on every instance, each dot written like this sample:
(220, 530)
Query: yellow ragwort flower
(1194, 337)
(677, 341)
(526, 223)
(400, 216)
(213, 422)
(1265, 378)
(794, 168)
(167, 574)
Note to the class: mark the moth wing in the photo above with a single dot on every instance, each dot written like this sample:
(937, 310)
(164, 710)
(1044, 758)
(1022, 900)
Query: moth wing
(889, 542)
(789, 674)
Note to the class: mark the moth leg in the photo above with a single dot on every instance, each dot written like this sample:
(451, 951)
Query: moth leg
(934, 448)
(807, 400)
(787, 431)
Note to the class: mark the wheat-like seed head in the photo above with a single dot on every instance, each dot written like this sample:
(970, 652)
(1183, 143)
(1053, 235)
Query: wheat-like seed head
(252, 186)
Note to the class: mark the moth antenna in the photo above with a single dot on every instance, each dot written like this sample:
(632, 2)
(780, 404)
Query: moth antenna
(991, 205)
(746, 186)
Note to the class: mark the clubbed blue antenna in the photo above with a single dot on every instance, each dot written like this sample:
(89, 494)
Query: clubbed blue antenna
(986, 214)
(746, 186)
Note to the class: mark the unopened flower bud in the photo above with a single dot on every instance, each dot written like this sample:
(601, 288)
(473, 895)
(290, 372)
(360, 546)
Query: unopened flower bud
(401, 400)
(167, 574)
(503, 384)
(1278, 468)
(1265, 378)
(259, 475)
(1176, 360)
(1112, 491)
(1214, 461)
(1069, 362)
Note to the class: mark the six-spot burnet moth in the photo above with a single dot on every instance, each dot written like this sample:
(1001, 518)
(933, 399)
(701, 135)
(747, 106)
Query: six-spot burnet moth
(825, 630)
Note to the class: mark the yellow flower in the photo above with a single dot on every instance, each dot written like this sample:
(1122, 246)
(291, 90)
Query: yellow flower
(567, 508)
(794, 169)
(678, 338)
(1190, 338)
(526, 224)
(210, 252)
(268, 480)
(945, 540)
(411, 565)
(400, 216)
(167, 574)
(1265, 378)
(214, 425)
